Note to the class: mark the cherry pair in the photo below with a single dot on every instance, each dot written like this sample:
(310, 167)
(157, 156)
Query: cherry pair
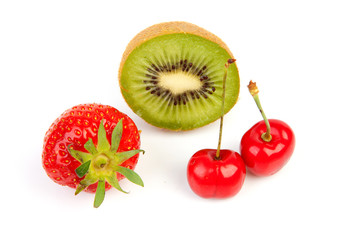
(219, 173)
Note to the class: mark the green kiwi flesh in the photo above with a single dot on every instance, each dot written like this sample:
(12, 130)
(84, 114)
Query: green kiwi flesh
(174, 81)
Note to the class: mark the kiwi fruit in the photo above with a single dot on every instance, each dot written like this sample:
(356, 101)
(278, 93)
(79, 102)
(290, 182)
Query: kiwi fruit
(171, 75)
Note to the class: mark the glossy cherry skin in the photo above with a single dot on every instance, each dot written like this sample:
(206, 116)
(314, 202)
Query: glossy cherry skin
(266, 158)
(211, 178)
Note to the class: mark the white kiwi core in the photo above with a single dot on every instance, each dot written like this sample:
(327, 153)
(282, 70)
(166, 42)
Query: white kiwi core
(179, 82)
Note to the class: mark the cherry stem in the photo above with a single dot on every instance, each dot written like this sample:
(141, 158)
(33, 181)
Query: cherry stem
(253, 89)
(230, 61)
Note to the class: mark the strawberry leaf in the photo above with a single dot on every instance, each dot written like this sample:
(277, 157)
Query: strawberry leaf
(88, 180)
(113, 181)
(103, 143)
(83, 169)
(90, 147)
(79, 188)
(130, 175)
(123, 156)
(80, 156)
(116, 136)
(100, 193)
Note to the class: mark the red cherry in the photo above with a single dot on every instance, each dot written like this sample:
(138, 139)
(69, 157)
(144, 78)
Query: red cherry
(266, 158)
(216, 173)
(268, 145)
(209, 177)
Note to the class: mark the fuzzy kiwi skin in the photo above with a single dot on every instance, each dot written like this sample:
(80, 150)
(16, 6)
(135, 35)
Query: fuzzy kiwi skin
(170, 28)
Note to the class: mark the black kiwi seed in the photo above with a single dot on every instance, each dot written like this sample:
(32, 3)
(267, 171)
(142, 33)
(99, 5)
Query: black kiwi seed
(197, 95)
(152, 75)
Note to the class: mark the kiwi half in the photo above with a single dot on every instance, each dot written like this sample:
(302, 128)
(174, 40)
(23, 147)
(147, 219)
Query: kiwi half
(171, 76)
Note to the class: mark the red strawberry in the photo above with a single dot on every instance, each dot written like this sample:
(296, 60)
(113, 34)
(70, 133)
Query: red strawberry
(91, 147)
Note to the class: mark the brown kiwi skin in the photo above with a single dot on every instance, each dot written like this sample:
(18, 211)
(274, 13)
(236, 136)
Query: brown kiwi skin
(169, 28)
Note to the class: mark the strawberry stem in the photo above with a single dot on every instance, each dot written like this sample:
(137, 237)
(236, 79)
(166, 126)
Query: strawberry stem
(253, 89)
(230, 61)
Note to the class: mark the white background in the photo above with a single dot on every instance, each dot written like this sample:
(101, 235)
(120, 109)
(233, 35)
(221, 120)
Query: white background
(305, 57)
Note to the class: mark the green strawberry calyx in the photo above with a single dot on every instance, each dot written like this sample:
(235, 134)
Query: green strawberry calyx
(102, 163)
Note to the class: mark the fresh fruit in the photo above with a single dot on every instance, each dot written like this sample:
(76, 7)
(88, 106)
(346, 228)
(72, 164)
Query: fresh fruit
(171, 76)
(91, 147)
(212, 177)
(216, 173)
(268, 145)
